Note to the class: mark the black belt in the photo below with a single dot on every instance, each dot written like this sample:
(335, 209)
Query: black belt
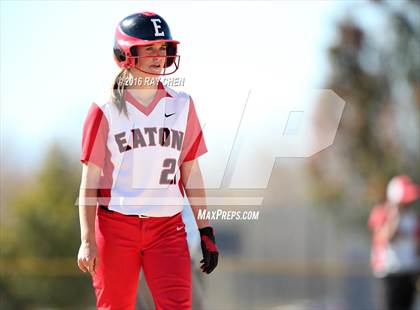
(110, 211)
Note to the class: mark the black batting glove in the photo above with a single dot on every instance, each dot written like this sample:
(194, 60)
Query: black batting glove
(210, 252)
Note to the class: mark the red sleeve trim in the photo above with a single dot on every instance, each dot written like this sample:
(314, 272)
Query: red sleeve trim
(194, 144)
(95, 135)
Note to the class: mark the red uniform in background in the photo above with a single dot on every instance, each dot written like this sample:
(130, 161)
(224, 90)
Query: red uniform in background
(395, 228)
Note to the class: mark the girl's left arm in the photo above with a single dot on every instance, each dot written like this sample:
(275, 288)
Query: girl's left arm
(193, 182)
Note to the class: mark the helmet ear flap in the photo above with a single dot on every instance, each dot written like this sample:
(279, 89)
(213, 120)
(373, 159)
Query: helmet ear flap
(119, 53)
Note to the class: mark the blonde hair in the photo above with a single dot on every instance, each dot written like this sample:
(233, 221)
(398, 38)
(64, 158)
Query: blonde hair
(118, 91)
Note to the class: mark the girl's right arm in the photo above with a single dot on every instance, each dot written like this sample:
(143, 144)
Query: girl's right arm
(87, 258)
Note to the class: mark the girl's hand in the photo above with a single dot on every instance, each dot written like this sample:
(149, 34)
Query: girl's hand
(87, 258)
(209, 248)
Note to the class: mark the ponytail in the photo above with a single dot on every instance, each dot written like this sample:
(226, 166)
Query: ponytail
(118, 91)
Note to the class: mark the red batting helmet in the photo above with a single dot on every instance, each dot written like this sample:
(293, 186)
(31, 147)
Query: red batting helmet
(139, 29)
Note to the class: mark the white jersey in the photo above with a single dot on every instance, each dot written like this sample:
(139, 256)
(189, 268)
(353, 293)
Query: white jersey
(140, 156)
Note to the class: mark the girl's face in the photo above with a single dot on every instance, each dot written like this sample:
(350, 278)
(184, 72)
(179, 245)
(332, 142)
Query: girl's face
(152, 57)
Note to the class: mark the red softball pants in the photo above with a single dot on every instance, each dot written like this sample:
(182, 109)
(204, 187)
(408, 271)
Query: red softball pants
(128, 243)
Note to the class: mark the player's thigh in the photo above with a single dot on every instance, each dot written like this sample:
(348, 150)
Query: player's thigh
(117, 273)
(167, 267)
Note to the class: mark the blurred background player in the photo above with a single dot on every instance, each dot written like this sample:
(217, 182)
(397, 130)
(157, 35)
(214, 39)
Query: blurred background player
(395, 226)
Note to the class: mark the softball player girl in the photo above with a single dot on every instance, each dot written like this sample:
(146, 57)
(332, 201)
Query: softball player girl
(139, 155)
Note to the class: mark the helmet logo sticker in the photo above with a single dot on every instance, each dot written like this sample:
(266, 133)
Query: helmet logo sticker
(157, 27)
